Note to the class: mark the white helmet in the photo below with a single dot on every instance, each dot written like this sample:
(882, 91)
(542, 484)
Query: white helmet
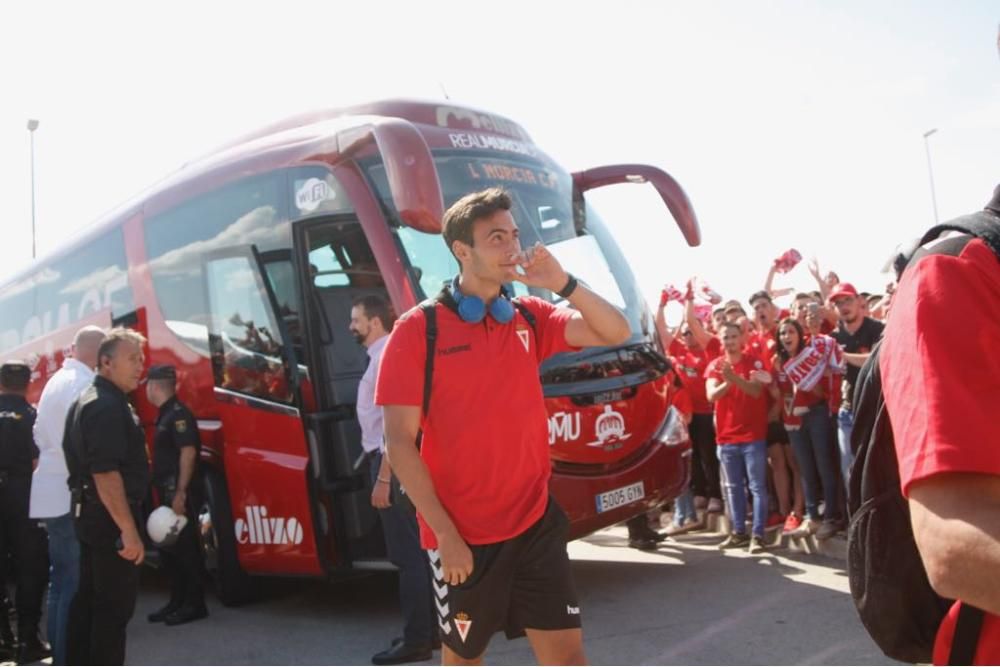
(163, 526)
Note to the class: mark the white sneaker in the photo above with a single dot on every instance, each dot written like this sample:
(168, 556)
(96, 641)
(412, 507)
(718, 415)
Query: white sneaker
(806, 528)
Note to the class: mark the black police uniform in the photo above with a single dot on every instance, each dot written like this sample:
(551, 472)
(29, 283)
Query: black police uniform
(21, 537)
(103, 435)
(176, 428)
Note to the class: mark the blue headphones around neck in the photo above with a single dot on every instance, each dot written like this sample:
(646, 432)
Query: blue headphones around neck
(472, 309)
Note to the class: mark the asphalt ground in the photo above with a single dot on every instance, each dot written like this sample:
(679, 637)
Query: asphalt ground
(686, 603)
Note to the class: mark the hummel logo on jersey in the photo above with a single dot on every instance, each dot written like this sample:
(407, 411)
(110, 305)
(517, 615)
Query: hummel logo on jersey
(454, 349)
(572, 611)
(258, 528)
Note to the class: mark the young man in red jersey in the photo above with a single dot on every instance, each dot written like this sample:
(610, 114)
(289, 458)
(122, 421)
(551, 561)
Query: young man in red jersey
(479, 480)
(764, 345)
(941, 381)
(691, 353)
(735, 383)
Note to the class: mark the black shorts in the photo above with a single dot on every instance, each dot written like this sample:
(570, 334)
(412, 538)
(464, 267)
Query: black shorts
(776, 434)
(522, 583)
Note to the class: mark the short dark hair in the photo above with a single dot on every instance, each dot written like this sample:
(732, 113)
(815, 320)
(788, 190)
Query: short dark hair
(732, 325)
(803, 295)
(762, 294)
(15, 376)
(456, 225)
(375, 306)
(115, 337)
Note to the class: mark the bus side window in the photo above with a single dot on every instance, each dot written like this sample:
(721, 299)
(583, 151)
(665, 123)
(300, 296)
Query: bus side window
(246, 347)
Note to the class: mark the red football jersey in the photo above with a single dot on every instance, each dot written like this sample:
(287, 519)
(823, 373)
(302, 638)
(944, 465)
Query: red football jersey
(485, 437)
(691, 365)
(739, 417)
(941, 380)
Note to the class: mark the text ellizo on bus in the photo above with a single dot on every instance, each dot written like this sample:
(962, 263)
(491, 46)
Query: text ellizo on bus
(241, 269)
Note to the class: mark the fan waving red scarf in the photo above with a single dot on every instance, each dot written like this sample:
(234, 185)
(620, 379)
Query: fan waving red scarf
(808, 367)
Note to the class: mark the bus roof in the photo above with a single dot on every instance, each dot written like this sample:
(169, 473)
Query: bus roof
(286, 141)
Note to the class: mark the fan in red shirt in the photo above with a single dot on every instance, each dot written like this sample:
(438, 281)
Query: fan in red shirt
(764, 344)
(807, 419)
(490, 535)
(941, 381)
(735, 383)
(691, 352)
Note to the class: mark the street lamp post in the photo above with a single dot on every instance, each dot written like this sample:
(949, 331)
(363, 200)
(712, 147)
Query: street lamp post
(32, 126)
(930, 171)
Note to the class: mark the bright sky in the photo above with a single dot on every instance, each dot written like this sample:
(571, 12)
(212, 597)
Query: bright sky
(789, 124)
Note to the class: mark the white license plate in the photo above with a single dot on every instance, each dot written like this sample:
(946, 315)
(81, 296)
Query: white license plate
(609, 500)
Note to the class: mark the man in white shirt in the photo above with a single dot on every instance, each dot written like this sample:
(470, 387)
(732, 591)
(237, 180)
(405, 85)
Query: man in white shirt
(371, 321)
(50, 500)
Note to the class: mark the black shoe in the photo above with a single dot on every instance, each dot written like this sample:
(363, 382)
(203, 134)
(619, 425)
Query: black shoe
(435, 642)
(161, 614)
(186, 615)
(642, 543)
(32, 649)
(400, 654)
(757, 545)
(735, 541)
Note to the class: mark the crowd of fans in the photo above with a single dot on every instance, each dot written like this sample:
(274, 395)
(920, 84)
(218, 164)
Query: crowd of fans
(767, 394)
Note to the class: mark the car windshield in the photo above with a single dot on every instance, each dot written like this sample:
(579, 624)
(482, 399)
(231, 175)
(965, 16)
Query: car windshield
(546, 209)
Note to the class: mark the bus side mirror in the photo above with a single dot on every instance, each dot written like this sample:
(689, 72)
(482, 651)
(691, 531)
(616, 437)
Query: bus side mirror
(409, 167)
(669, 190)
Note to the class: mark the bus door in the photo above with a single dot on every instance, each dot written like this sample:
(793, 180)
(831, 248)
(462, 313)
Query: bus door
(338, 267)
(266, 457)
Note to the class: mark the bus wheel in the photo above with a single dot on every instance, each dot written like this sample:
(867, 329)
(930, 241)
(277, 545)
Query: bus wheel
(218, 543)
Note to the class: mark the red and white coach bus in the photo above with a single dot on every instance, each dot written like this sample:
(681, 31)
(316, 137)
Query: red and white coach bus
(241, 268)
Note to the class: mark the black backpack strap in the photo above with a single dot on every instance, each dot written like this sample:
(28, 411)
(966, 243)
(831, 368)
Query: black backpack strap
(527, 315)
(966, 639)
(983, 224)
(430, 318)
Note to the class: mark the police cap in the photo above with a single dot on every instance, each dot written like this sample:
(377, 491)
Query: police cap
(162, 372)
(15, 374)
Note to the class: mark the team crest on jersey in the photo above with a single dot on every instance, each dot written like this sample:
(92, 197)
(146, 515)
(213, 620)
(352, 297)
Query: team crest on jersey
(525, 339)
(463, 623)
(181, 425)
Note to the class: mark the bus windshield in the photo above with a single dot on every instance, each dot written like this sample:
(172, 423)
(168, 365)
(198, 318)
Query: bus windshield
(546, 209)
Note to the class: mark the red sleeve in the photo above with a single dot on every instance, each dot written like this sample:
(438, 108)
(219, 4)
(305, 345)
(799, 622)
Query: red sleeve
(713, 370)
(400, 378)
(550, 326)
(941, 368)
(676, 348)
(713, 349)
(682, 401)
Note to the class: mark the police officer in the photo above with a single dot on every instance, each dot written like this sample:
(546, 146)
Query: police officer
(175, 476)
(108, 477)
(23, 538)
